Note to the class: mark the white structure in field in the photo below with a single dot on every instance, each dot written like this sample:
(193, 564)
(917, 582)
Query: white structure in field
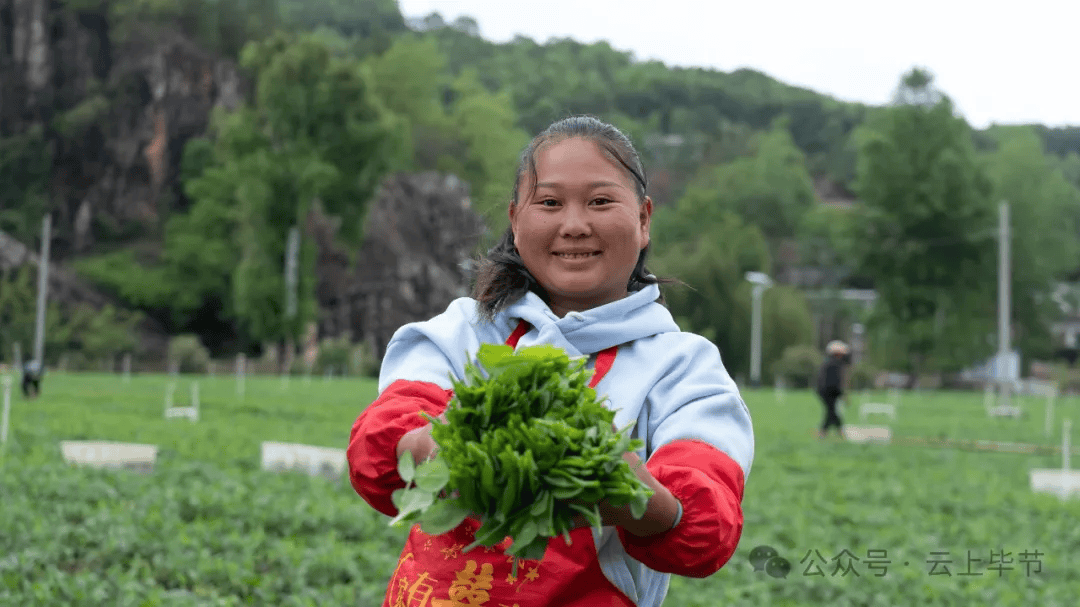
(191, 412)
(312, 460)
(1064, 482)
(866, 434)
(1048, 389)
(241, 369)
(887, 409)
(995, 405)
(6, 417)
(104, 454)
(779, 389)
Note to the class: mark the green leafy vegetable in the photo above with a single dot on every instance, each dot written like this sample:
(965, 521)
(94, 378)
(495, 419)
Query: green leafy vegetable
(526, 447)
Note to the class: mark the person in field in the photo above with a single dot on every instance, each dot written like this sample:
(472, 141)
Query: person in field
(570, 271)
(830, 385)
(32, 373)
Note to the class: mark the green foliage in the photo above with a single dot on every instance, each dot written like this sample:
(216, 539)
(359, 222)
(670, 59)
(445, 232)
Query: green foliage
(314, 135)
(1044, 212)
(188, 354)
(76, 329)
(926, 230)
(527, 449)
(121, 274)
(456, 125)
(105, 333)
(712, 260)
(861, 376)
(74, 122)
(770, 188)
(798, 366)
(25, 165)
(335, 353)
(208, 528)
(363, 360)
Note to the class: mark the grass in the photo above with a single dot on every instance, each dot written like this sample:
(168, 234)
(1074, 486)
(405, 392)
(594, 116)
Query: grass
(207, 527)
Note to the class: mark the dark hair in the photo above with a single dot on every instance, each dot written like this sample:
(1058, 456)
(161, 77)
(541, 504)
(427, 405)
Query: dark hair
(502, 277)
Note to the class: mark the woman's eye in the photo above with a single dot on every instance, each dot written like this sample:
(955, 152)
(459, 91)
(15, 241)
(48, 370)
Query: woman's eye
(549, 202)
(601, 200)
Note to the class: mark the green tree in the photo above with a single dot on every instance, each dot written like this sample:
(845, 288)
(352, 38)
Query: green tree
(926, 228)
(314, 134)
(485, 122)
(1045, 222)
(769, 189)
(715, 301)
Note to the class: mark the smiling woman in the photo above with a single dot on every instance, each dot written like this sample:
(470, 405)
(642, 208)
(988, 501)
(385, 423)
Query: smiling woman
(582, 226)
(580, 191)
(570, 273)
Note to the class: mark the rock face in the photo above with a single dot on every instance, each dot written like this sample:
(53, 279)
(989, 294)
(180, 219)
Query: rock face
(420, 235)
(115, 118)
(114, 121)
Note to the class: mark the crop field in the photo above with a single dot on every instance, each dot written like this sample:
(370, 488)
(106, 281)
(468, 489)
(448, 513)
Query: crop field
(927, 520)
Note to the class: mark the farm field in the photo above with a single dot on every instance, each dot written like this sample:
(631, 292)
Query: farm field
(207, 527)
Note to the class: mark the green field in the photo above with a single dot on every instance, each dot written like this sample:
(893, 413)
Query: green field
(207, 527)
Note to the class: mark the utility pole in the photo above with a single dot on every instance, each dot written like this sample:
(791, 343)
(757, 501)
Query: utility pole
(1004, 304)
(292, 264)
(761, 282)
(43, 290)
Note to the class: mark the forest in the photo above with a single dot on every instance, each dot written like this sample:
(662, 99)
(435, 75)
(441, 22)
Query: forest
(748, 174)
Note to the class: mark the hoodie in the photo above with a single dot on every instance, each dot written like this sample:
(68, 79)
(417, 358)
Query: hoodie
(697, 434)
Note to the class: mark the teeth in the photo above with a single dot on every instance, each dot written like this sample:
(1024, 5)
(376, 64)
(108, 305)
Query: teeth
(575, 255)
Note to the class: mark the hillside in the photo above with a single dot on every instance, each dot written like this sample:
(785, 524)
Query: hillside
(106, 120)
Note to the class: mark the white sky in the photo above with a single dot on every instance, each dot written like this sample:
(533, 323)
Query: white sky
(1000, 62)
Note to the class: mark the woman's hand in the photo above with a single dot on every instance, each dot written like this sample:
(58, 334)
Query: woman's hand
(660, 514)
(419, 443)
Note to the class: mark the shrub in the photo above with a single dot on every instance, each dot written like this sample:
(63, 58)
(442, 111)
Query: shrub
(334, 353)
(798, 366)
(862, 376)
(364, 362)
(188, 354)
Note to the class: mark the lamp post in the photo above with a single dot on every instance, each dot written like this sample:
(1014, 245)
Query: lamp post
(761, 281)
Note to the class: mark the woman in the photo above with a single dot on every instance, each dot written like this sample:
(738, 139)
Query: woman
(570, 271)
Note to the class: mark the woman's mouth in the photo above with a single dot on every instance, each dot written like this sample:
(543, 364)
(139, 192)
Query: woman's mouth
(577, 255)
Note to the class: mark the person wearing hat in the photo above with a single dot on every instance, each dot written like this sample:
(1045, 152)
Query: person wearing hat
(830, 385)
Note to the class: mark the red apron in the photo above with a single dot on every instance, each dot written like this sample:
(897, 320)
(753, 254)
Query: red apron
(432, 571)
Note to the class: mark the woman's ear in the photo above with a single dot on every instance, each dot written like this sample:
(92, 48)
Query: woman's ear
(511, 212)
(645, 216)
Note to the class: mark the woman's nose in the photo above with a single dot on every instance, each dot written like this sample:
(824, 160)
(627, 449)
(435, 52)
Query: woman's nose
(575, 220)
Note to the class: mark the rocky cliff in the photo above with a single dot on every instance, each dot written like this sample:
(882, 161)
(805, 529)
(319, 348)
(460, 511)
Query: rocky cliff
(114, 117)
(420, 235)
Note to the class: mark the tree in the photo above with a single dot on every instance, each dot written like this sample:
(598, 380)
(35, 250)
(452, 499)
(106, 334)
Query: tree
(769, 189)
(926, 228)
(715, 301)
(1045, 222)
(314, 134)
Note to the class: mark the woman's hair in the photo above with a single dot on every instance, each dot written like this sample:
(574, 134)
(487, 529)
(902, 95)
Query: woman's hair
(502, 277)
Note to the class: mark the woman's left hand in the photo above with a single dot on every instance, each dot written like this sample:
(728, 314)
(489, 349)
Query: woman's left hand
(660, 514)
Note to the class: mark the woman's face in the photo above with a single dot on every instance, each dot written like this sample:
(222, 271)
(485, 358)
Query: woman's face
(581, 229)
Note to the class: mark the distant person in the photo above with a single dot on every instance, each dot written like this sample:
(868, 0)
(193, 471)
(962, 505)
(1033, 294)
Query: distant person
(31, 379)
(830, 385)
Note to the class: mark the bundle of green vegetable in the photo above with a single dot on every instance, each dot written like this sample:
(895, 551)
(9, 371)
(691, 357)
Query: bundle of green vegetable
(526, 449)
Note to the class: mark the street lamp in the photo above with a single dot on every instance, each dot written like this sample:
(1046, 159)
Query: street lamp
(761, 281)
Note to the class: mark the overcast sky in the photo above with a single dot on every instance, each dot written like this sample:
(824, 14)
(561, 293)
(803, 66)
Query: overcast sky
(1000, 62)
